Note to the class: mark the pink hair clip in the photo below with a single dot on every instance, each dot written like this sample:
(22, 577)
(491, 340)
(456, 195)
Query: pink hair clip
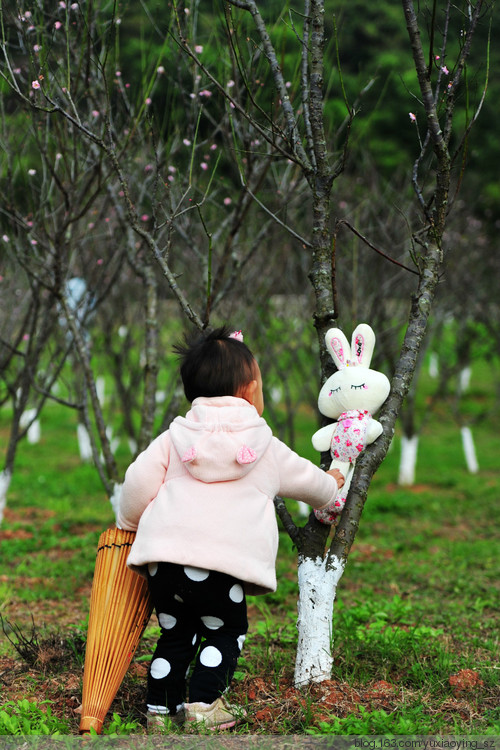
(236, 335)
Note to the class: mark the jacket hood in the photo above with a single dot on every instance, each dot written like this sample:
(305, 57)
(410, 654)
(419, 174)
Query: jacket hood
(220, 439)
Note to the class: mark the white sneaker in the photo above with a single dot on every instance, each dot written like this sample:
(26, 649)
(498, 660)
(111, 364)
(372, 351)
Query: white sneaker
(216, 715)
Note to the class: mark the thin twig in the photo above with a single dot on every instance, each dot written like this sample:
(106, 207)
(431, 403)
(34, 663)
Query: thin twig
(341, 222)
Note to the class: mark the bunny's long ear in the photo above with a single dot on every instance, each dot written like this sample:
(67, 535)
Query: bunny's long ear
(362, 344)
(338, 346)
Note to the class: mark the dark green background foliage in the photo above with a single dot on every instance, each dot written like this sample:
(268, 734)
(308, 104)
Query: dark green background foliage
(368, 67)
(376, 77)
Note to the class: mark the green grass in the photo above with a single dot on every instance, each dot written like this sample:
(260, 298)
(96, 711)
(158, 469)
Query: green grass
(418, 602)
(23, 717)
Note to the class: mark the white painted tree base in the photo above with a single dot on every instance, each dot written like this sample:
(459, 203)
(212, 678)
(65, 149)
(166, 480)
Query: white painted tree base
(469, 450)
(317, 591)
(408, 460)
(5, 477)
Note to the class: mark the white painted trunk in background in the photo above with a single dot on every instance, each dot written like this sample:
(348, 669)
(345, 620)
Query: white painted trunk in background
(115, 499)
(469, 450)
(433, 365)
(408, 460)
(113, 442)
(84, 445)
(100, 386)
(28, 420)
(303, 509)
(317, 591)
(464, 379)
(34, 432)
(5, 477)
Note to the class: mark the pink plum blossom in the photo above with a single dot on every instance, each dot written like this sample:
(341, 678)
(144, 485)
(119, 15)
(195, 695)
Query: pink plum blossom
(198, 49)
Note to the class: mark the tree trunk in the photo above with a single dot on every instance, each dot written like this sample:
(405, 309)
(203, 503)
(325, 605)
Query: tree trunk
(318, 579)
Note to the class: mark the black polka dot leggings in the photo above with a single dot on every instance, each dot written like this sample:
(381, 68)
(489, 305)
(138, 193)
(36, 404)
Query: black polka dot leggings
(203, 618)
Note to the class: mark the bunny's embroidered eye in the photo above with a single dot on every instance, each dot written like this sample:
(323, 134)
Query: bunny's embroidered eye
(334, 390)
(358, 387)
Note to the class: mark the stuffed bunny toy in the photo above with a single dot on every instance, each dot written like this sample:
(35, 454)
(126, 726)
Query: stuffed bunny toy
(351, 395)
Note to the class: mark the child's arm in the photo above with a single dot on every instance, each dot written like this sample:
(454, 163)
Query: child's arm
(300, 479)
(143, 479)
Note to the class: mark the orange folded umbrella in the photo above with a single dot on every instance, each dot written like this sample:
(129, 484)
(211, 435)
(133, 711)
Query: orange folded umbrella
(120, 609)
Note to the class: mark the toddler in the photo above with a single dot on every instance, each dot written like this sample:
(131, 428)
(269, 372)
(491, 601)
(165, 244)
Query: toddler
(201, 499)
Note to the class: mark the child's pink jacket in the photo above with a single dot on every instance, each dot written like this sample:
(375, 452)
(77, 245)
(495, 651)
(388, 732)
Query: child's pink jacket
(202, 493)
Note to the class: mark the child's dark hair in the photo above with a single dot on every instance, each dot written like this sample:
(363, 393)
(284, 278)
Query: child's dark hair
(214, 364)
